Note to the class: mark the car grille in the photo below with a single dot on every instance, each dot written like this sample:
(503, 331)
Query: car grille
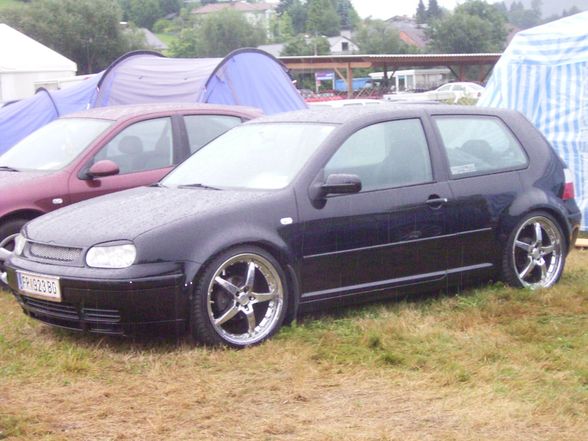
(105, 321)
(52, 253)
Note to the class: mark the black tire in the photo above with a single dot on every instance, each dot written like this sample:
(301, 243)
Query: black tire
(7, 229)
(535, 252)
(240, 298)
(10, 227)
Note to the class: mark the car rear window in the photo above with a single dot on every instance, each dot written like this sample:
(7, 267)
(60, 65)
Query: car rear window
(479, 145)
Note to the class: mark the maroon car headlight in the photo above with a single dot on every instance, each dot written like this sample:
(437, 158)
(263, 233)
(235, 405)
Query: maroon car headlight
(111, 256)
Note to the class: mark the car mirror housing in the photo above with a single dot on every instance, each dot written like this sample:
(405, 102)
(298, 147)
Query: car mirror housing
(339, 183)
(103, 168)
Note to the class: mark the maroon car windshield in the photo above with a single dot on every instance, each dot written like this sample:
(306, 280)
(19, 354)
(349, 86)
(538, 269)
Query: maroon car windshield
(55, 145)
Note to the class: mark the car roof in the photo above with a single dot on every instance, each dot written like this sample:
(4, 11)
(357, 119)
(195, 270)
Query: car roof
(392, 110)
(130, 111)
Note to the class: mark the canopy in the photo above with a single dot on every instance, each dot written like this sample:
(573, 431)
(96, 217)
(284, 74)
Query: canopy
(20, 53)
(24, 61)
(247, 77)
(544, 74)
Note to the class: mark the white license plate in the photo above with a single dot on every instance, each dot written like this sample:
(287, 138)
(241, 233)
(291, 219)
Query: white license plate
(36, 285)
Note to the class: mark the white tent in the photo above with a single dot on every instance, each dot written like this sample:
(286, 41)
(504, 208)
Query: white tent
(24, 61)
(544, 75)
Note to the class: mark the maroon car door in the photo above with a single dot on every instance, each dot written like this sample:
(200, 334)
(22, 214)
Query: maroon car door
(144, 153)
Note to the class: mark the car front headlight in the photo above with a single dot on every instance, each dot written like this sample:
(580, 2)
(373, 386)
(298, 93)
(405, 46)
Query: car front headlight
(19, 244)
(111, 256)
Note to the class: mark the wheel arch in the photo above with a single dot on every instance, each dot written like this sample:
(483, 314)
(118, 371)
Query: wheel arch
(26, 213)
(507, 227)
(277, 252)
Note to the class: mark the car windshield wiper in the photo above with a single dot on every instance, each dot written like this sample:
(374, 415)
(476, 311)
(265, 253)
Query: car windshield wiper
(198, 185)
(7, 168)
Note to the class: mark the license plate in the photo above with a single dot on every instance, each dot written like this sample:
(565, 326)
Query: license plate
(36, 285)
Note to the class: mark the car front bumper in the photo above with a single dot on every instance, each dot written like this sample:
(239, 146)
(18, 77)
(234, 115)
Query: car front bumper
(119, 302)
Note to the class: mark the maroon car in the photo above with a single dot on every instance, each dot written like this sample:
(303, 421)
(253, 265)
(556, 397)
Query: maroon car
(103, 150)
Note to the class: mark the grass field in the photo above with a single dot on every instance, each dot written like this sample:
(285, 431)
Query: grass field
(487, 364)
(5, 3)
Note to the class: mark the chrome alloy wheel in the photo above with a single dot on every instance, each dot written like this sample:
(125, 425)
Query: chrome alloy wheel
(537, 253)
(245, 298)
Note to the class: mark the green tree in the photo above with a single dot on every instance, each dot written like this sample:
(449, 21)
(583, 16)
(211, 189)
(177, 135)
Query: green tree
(217, 35)
(348, 17)
(300, 45)
(433, 11)
(144, 13)
(378, 37)
(322, 18)
(421, 13)
(284, 6)
(170, 6)
(524, 18)
(285, 28)
(474, 26)
(85, 31)
(299, 13)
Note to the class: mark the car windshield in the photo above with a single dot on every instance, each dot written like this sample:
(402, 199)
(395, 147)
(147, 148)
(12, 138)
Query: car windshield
(254, 156)
(55, 145)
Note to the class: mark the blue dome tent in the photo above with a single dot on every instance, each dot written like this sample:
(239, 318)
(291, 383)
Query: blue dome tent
(247, 77)
(544, 75)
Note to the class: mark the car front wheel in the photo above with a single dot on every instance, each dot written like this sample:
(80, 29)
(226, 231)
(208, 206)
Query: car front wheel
(535, 253)
(240, 299)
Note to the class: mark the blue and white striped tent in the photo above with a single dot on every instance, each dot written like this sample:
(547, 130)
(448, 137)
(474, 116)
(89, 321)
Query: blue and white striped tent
(544, 75)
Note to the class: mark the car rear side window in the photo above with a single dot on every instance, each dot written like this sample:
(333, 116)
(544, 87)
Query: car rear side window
(385, 155)
(204, 128)
(478, 145)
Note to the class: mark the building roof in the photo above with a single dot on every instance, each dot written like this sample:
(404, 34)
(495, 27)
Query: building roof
(20, 53)
(235, 6)
(409, 31)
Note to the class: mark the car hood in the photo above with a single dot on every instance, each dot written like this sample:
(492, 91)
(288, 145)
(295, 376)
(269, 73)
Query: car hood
(128, 214)
(10, 179)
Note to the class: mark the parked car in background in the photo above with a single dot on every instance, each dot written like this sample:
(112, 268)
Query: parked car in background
(289, 211)
(103, 150)
(450, 92)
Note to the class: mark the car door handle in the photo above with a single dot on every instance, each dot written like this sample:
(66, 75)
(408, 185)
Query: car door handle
(435, 201)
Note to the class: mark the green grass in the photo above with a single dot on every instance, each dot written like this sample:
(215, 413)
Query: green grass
(513, 362)
(7, 3)
(168, 39)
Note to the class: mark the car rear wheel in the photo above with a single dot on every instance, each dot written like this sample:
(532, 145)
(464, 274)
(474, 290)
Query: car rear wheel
(240, 299)
(535, 253)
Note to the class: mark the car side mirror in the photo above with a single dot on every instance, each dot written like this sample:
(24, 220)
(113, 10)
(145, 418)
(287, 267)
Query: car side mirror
(339, 183)
(103, 168)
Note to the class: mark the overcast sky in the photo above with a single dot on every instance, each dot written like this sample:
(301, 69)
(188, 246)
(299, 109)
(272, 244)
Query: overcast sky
(384, 9)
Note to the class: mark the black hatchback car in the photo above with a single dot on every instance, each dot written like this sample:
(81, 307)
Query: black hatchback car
(291, 210)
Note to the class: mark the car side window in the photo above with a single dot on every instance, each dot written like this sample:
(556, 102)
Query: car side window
(479, 144)
(146, 145)
(385, 155)
(204, 128)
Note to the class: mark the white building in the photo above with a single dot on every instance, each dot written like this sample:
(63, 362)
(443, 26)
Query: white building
(24, 62)
(260, 14)
(339, 45)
